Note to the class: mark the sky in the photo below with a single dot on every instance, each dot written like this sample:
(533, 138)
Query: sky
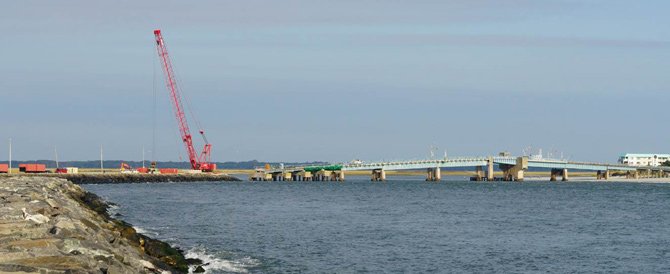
(321, 80)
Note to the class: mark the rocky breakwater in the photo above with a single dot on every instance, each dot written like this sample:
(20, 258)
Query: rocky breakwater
(50, 225)
(121, 178)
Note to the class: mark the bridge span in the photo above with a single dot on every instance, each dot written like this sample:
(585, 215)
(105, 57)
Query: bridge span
(512, 169)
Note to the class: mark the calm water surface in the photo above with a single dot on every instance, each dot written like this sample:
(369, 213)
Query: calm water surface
(406, 225)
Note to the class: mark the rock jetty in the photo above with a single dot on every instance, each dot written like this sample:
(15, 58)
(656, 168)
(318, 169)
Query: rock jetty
(50, 225)
(124, 178)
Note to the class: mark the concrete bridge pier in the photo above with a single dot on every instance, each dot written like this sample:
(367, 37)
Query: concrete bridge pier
(489, 169)
(303, 176)
(378, 175)
(555, 172)
(507, 172)
(552, 174)
(515, 172)
(480, 173)
(337, 175)
(603, 175)
(521, 165)
(433, 174)
(323, 175)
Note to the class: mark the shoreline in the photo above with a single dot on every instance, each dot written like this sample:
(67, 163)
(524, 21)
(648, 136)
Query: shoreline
(51, 225)
(127, 178)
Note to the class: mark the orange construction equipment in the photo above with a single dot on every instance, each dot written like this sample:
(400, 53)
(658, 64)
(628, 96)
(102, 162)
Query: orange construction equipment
(125, 166)
(168, 171)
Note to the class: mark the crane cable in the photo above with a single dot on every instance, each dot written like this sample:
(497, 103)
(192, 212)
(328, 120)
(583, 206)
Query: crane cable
(174, 124)
(153, 144)
(187, 98)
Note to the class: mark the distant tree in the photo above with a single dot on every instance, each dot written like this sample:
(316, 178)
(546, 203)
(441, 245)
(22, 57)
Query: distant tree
(666, 163)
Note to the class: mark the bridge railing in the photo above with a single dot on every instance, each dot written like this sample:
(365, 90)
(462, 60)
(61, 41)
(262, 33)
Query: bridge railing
(416, 161)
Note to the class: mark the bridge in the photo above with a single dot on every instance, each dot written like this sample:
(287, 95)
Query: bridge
(512, 169)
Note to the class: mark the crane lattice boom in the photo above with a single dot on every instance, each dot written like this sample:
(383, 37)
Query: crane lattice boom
(198, 162)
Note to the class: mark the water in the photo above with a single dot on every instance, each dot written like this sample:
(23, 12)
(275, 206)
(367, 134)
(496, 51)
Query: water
(407, 225)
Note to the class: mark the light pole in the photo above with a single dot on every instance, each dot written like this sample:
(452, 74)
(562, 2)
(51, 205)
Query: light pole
(102, 167)
(10, 156)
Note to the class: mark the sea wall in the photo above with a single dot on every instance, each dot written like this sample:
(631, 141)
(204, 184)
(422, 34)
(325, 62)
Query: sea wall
(50, 225)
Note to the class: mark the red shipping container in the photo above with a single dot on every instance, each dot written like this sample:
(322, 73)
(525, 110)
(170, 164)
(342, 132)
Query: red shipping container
(32, 168)
(168, 171)
(142, 170)
(4, 168)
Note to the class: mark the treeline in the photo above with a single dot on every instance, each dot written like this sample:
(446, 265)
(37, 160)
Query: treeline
(117, 164)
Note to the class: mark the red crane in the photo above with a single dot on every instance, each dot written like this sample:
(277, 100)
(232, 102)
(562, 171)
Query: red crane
(198, 162)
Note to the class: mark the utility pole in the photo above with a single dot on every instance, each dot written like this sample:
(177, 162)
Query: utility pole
(142, 156)
(56, 153)
(10, 156)
(102, 167)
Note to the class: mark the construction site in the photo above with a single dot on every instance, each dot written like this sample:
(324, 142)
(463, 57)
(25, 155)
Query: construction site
(200, 162)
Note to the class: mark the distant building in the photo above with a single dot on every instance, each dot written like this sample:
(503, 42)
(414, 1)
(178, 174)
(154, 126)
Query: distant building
(633, 159)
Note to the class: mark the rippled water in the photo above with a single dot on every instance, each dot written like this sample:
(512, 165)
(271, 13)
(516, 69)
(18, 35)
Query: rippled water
(407, 225)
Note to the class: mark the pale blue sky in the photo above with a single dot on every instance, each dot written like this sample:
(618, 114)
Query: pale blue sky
(310, 80)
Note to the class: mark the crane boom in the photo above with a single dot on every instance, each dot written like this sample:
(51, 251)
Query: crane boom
(198, 162)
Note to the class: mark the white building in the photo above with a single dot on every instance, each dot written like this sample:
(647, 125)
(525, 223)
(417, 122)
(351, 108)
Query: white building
(633, 159)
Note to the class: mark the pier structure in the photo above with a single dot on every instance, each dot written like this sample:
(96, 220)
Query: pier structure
(555, 172)
(512, 168)
(315, 173)
(378, 175)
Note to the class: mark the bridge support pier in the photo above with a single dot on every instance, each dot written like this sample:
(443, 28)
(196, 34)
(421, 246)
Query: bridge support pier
(337, 175)
(515, 172)
(604, 175)
(506, 172)
(489, 169)
(378, 175)
(480, 173)
(555, 172)
(552, 175)
(304, 176)
(433, 174)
